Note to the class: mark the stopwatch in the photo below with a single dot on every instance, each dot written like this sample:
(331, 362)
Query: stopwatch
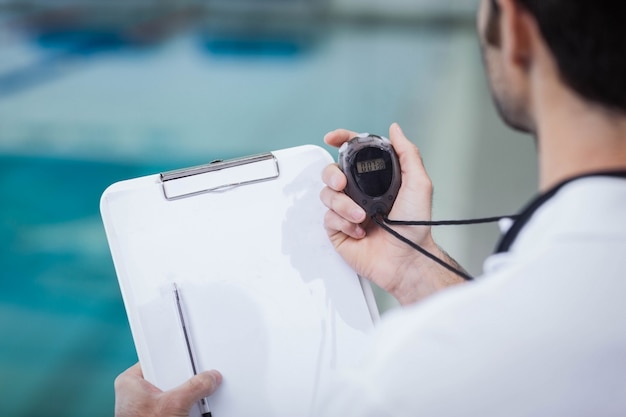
(372, 168)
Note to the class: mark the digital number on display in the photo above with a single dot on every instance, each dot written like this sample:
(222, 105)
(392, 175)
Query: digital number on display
(372, 165)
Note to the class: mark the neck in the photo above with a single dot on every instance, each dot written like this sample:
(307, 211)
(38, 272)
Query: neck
(576, 138)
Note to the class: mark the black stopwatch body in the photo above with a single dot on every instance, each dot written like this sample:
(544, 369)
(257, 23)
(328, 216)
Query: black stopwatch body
(373, 171)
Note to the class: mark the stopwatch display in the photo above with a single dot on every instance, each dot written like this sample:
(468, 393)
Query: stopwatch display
(373, 171)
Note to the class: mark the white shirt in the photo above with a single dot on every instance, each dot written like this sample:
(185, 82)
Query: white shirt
(541, 333)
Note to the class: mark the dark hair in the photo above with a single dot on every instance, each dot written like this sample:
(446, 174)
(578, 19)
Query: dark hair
(588, 41)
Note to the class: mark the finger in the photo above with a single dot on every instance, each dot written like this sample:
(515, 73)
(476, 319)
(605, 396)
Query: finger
(343, 205)
(337, 137)
(335, 223)
(414, 199)
(132, 380)
(181, 399)
(129, 376)
(334, 177)
(134, 371)
(411, 161)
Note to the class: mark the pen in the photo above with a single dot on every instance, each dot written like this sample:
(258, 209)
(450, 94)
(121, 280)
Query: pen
(203, 403)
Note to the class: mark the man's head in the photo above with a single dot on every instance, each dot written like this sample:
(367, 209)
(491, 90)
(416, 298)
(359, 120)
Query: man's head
(585, 38)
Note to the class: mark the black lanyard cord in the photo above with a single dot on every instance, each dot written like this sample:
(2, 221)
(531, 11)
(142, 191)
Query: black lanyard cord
(524, 217)
(507, 240)
(446, 222)
(381, 223)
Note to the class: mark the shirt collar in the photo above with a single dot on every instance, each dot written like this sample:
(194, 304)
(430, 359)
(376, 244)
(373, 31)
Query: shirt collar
(525, 215)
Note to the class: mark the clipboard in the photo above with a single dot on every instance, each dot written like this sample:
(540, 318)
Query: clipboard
(268, 302)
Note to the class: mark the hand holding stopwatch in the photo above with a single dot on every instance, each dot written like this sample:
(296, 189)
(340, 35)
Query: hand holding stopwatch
(372, 169)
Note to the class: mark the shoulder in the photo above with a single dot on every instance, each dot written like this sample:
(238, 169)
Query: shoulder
(545, 323)
(537, 335)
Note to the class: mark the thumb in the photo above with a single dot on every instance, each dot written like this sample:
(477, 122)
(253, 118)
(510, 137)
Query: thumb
(410, 158)
(180, 399)
(415, 196)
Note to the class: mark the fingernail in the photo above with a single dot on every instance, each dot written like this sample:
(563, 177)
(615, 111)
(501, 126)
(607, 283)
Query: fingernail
(217, 375)
(359, 232)
(335, 181)
(398, 129)
(357, 215)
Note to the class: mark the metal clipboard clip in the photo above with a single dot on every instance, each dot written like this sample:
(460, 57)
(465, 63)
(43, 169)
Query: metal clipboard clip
(219, 176)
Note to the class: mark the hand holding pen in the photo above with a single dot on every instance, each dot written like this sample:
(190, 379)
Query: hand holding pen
(136, 397)
(204, 402)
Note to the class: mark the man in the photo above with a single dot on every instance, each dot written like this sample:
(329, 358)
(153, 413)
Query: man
(541, 333)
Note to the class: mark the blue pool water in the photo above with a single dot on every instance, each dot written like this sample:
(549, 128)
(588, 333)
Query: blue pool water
(63, 325)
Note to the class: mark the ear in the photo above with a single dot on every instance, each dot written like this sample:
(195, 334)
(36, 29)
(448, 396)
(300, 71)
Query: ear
(492, 25)
(517, 31)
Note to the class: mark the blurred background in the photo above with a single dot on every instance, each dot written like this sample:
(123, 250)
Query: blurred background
(94, 91)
